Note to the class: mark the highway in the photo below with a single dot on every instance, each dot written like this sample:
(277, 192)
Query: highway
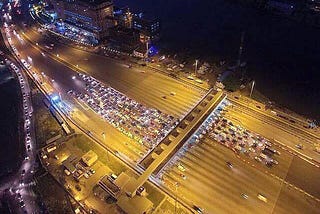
(53, 71)
(274, 129)
(210, 184)
(21, 182)
(82, 114)
(143, 85)
(207, 181)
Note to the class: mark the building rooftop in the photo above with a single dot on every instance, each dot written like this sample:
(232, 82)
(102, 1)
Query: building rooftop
(135, 205)
(122, 180)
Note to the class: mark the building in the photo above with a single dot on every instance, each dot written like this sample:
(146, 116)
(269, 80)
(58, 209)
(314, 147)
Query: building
(69, 163)
(149, 28)
(124, 39)
(95, 16)
(89, 158)
(123, 17)
(135, 205)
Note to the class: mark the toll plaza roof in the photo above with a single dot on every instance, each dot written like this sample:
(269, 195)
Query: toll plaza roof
(135, 205)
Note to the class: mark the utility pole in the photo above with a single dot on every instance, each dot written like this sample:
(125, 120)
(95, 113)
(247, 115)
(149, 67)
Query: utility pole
(240, 49)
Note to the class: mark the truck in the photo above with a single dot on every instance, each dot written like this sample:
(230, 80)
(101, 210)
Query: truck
(65, 128)
(51, 148)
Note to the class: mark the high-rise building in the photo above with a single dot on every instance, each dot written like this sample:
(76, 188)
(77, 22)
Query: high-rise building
(95, 16)
(149, 28)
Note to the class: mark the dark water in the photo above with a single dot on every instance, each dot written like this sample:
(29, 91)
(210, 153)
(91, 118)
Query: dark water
(283, 56)
(10, 148)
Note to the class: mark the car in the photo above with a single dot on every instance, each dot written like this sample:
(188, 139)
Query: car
(299, 146)
(229, 164)
(183, 176)
(198, 209)
(181, 167)
(28, 148)
(21, 183)
(258, 159)
(245, 196)
(113, 176)
(86, 175)
(199, 81)
(19, 196)
(92, 171)
(28, 140)
(262, 198)
(67, 172)
(22, 204)
(23, 172)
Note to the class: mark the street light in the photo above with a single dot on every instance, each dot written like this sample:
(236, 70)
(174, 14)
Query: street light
(252, 88)
(104, 140)
(176, 198)
(196, 67)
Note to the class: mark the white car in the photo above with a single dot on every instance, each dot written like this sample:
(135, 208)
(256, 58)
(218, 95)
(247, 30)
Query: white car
(28, 140)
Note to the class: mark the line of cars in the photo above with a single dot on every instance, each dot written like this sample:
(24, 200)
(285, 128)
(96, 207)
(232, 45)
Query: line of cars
(207, 127)
(240, 140)
(74, 33)
(147, 126)
(27, 122)
(26, 108)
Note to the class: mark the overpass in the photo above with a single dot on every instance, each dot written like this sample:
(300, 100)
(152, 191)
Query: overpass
(156, 159)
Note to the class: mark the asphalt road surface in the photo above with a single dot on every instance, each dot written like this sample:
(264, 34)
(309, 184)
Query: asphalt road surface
(274, 130)
(144, 87)
(210, 184)
(139, 83)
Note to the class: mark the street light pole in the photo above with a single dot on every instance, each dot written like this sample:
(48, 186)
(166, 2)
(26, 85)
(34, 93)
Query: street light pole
(147, 45)
(252, 88)
(104, 140)
(195, 67)
(176, 198)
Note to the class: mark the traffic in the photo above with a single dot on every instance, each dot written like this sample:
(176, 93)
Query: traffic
(148, 126)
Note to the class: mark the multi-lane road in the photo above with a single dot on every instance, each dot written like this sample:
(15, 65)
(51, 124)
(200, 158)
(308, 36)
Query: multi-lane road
(20, 185)
(275, 128)
(143, 85)
(207, 181)
(146, 87)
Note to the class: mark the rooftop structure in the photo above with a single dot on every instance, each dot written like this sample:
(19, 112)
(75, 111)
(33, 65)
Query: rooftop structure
(135, 205)
(156, 159)
(89, 158)
(95, 16)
